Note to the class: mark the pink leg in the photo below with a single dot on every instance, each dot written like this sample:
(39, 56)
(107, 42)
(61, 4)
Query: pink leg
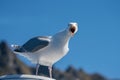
(37, 68)
(50, 71)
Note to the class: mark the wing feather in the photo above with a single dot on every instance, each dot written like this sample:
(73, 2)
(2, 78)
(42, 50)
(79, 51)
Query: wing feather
(35, 44)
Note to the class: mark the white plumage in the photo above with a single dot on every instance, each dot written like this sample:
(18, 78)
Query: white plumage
(48, 50)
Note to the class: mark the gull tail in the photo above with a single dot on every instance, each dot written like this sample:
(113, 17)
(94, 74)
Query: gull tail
(15, 47)
(19, 50)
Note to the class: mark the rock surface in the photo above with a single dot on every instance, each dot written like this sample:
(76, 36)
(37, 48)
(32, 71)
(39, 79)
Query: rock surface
(24, 77)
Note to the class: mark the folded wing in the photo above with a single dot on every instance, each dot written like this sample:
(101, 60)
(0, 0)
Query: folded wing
(34, 44)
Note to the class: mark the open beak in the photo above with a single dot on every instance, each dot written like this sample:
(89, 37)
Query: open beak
(72, 30)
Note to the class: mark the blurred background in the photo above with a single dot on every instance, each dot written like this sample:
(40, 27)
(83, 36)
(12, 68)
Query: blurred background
(94, 50)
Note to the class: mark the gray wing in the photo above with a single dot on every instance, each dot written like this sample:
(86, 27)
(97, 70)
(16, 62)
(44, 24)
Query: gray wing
(35, 44)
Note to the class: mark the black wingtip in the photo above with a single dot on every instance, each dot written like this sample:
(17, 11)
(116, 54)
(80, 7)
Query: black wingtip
(20, 49)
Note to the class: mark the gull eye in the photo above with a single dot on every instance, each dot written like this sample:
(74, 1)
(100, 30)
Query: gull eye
(72, 29)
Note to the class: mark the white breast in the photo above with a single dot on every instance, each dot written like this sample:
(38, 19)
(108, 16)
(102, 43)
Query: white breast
(52, 54)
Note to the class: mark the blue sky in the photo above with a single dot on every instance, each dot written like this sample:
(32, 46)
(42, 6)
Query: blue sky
(96, 46)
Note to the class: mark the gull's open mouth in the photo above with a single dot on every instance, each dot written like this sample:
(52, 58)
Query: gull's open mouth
(72, 29)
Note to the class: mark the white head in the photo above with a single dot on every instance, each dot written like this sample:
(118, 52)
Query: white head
(72, 28)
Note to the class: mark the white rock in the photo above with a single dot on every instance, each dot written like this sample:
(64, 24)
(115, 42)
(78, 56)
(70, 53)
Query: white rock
(24, 77)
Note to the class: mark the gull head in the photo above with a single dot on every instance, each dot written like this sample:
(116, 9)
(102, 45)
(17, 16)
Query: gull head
(72, 28)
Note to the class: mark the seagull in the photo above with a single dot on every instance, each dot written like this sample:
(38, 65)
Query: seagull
(47, 50)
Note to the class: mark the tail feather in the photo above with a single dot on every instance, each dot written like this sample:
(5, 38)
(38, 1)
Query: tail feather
(14, 46)
(18, 48)
(27, 55)
(21, 51)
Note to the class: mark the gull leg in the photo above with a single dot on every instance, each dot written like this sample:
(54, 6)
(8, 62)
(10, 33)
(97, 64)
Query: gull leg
(50, 71)
(37, 67)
